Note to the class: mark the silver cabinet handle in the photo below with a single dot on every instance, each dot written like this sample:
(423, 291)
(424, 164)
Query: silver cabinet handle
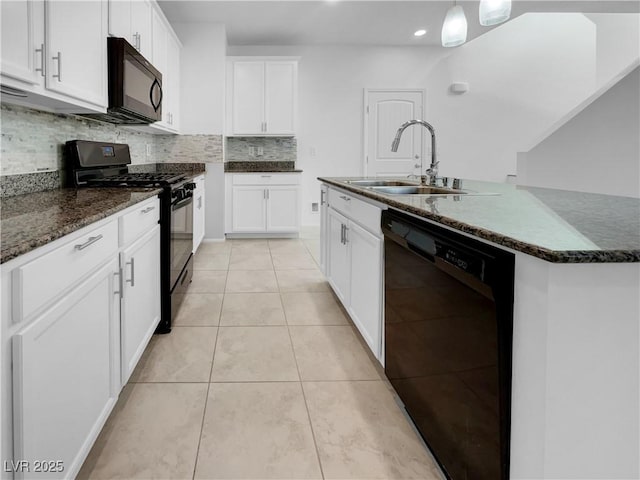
(346, 238)
(59, 59)
(41, 50)
(345, 198)
(342, 233)
(90, 241)
(265, 176)
(321, 197)
(264, 194)
(267, 194)
(148, 209)
(132, 280)
(199, 203)
(119, 275)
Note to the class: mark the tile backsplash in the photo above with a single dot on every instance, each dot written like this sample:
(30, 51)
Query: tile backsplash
(32, 141)
(241, 149)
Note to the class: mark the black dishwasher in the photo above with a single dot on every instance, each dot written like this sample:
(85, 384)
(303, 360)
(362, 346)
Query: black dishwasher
(448, 340)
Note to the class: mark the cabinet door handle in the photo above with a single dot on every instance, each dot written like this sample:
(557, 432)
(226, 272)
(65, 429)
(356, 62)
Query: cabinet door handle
(342, 234)
(199, 203)
(59, 59)
(148, 209)
(90, 241)
(119, 275)
(132, 280)
(264, 194)
(346, 238)
(345, 198)
(321, 197)
(41, 50)
(267, 194)
(265, 176)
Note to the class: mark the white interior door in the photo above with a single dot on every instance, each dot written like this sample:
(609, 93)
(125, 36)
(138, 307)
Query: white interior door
(385, 111)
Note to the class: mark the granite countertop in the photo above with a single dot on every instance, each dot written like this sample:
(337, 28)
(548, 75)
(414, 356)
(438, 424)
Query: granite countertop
(35, 219)
(260, 166)
(556, 225)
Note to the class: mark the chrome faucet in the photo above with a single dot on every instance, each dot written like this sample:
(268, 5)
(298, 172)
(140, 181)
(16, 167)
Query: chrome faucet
(432, 171)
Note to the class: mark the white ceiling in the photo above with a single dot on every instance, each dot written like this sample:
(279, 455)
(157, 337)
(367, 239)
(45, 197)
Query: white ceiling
(353, 22)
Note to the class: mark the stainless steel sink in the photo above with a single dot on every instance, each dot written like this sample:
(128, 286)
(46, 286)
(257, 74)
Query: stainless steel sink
(416, 190)
(378, 183)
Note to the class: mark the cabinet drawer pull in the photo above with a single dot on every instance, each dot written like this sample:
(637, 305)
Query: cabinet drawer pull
(132, 280)
(265, 176)
(59, 74)
(148, 209)
(345, 198)
(41, 50)
(90, 241)
(119, 275)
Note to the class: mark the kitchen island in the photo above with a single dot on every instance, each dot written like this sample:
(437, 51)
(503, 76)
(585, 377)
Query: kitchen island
(576, 313)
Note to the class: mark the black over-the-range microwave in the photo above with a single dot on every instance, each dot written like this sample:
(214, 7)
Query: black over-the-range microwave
(135, 87)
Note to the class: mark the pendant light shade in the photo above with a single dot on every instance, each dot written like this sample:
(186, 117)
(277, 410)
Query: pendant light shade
(454, 29)
(493, 12)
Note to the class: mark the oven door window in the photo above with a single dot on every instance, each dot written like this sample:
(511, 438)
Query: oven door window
(181, 236)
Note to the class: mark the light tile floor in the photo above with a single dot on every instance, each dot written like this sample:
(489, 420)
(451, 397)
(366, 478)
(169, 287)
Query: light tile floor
(262, 377)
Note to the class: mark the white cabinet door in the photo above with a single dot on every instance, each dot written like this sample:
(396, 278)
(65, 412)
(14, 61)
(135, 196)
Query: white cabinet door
(283, 209)
(198, 213)
(76, 38)
(248, 98)
(280, 97)
(366, 285)
(23, 40)
(249, 209)
(338, 255)
(172, 84)
(65, 375)
(324, 230)
(141, 298)
(141, 34)
(120, 20)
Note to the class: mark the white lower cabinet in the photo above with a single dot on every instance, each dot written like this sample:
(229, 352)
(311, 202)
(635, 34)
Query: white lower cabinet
(65, 376)
(76, 316)
(198, 212)
(266, 203)
(140, 298)
(354, 262)
(339, 270)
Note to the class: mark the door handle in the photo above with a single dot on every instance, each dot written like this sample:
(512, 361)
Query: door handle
(321, 197)
(417, 165)
(119, 275)
(132, 280)
(346, 238)
(59, 74)
(153, 86)
(90, 241)
(147, 210)
(342, 233)
(41, 50)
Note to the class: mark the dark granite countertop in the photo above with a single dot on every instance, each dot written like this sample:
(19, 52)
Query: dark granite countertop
(260, 166)
(555, 225)
(35, 219)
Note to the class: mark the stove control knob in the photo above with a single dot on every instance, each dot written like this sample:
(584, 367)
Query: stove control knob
(190, 186)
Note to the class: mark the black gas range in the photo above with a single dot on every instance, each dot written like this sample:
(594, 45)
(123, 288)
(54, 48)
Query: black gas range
(104, 164)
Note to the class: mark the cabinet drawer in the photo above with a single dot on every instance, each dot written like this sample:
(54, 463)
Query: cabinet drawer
(140, 220)
(266, 179)
(360, 212)
(41, 280)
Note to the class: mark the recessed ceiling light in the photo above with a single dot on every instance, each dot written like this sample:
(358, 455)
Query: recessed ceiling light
(420, 33)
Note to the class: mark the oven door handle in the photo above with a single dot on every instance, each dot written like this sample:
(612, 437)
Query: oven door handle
(181, 203)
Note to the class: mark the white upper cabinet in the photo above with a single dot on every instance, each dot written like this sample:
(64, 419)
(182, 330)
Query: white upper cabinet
(76, 49)
(23, 40)
(131, 20)
(141, 32)
(263, 97)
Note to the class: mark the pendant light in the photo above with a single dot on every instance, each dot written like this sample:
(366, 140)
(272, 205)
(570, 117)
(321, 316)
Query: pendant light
(454, 28)
(493, 12)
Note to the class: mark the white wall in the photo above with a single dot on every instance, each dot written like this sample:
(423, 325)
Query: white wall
(597, 151)
(202, 96)
(617, 43)
(523, 76)
(331, 88)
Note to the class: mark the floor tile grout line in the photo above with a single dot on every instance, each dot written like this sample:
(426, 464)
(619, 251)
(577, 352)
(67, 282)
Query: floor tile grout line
(206, 400)
(304, 398)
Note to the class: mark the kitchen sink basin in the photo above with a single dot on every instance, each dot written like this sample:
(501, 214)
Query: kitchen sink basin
(378, 183)
(416, 190)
